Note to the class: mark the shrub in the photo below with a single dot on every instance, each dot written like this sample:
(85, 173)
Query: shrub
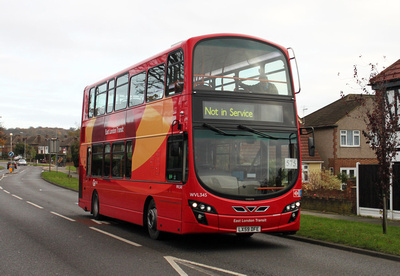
(322, 180)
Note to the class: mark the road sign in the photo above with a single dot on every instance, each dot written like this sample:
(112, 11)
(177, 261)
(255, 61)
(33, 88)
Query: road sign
(11, 154)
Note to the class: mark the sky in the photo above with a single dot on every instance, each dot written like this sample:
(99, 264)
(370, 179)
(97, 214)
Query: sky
(51, 49)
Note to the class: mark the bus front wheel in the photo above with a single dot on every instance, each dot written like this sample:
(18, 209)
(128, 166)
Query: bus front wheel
(152, 221)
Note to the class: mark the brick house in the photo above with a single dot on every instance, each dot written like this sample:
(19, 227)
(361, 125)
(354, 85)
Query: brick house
(339, 135)
(309, 163)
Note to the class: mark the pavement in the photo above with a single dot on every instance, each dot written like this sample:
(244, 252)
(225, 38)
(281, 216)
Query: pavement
(350, 217)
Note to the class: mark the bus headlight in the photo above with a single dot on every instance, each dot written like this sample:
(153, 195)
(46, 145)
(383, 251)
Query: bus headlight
(200, 210)
(294, 208)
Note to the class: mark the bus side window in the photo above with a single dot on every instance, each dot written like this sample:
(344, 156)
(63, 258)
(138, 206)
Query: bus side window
(118, 159)
(176, 169)
(97, 159)
(128, 158)
(101, 98)
(175, 73)
(107, 160)
(136, 95)
(121, 92)
(155, 83)
(89, 161)
(91, 103)
(110, 96)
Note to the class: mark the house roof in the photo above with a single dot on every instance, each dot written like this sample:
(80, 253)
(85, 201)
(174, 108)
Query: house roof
(329, 115)
(392, 73)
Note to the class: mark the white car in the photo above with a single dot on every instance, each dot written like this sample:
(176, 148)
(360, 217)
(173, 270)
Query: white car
(22, 162)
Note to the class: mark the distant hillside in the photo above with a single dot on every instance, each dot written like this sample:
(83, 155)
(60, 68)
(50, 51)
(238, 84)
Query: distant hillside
(43, 131)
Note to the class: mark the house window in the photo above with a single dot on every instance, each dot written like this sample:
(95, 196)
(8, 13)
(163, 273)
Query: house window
(305, 173)
(393, 100)
(351, 172)
(350, 138)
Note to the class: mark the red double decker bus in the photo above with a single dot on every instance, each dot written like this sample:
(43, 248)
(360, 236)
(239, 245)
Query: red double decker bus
(202, 138)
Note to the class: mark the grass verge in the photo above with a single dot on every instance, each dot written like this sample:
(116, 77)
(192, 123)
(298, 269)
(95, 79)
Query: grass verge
(356, 234)
(61, 179)
(71, 168)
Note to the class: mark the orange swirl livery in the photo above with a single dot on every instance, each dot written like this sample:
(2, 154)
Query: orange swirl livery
(153, 129)
(201, 138)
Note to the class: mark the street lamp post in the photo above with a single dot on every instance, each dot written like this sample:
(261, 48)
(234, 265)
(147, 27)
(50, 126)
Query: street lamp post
(11, 136)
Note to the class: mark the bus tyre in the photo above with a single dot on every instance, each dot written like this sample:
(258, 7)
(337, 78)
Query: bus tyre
(96, 207)
(152, 221)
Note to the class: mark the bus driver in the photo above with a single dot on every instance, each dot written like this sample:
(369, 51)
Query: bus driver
(264, 86)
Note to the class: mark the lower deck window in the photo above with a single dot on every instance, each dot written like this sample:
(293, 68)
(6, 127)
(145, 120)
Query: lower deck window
(97, 160)
(176, 158)
(118, 160)
(115, 160)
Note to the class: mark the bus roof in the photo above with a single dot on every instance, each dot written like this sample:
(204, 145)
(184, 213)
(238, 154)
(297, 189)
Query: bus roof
(190, 42)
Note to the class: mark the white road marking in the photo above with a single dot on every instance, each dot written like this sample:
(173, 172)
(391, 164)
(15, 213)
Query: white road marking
(61, 216)
(7, 192)
(196, 266)
(116, 237)
(33, 204)
(20, 198)
(100, 222)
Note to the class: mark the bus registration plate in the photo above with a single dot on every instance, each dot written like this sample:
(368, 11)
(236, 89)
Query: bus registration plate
(248, 229)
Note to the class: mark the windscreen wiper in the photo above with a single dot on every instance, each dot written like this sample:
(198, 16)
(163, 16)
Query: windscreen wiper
(258, 132)
(220, 131)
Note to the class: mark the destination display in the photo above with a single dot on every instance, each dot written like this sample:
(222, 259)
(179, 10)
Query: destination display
(242, 111)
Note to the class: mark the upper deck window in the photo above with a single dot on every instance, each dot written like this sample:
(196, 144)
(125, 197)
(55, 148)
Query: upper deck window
(240, 65)
(91, 103)
(155, 82)
(121, 92)
(175, 73)
(137, 89)
(110, 97)
(101, 98)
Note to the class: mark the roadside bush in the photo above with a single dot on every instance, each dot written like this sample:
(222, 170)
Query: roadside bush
(322, 180)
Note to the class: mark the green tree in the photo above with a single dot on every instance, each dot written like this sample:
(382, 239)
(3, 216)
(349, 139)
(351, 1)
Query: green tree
(19, 149)
(75, 154)
(30, 152)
